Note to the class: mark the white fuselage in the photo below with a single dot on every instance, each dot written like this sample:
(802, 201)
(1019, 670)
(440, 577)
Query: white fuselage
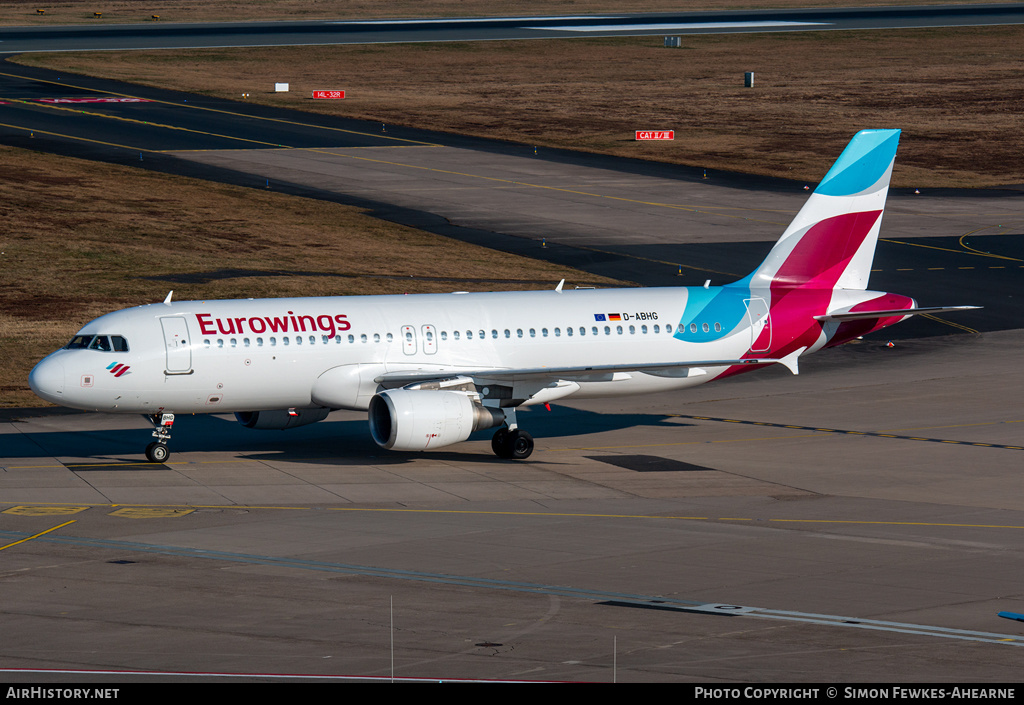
(247, 355)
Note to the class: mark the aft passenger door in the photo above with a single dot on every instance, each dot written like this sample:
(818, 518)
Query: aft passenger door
(176, 341)
(760, 325)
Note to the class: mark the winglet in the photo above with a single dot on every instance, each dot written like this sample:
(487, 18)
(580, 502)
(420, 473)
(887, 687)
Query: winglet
(560, 285)
(167, 301)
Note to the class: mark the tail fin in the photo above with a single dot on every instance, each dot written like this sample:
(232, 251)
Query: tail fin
(831, 242)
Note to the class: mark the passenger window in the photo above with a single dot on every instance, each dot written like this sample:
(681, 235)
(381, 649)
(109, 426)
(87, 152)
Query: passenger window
(643, 329)
(469, 335)
(618, 329)
(533, 332)
(607, 330)
(245, 342)
(718, 327)
(494, 334)
(351, 339)
(455, 334)
(568, 331)
(544, 332)
(508, 333)
(273, 340)
(482, 335)
(376, 337)
(298, 340)
(632, 330)
(234, 342)
(519, 332)
(657, 329)
(706, 328)
(693, 327)
(259, 342)
(558, 332)
(362, 338)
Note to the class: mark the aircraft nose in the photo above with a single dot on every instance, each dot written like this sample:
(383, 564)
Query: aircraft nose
(47, 381)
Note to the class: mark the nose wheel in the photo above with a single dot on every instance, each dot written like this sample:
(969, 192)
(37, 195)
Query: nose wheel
(157, 451)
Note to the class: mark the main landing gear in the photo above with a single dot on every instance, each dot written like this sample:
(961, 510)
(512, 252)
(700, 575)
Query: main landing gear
(515, 444)
(510, 441)
(157, 451)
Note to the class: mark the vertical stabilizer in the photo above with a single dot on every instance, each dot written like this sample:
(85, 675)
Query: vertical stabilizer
(831, 242)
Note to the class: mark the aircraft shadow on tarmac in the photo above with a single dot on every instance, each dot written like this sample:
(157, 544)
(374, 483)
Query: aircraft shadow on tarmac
(335, 442)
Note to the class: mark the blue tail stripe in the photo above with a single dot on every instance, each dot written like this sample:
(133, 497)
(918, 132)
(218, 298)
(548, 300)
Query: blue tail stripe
(861, 164)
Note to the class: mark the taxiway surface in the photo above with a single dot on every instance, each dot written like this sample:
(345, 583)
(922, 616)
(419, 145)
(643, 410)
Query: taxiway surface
(164, 35)
(860, 522)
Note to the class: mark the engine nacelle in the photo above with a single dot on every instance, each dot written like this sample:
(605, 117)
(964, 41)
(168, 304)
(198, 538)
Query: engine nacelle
(410, 419)
(280, 419)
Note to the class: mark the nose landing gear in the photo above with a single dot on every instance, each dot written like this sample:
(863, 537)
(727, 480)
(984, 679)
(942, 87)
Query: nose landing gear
(157, 451)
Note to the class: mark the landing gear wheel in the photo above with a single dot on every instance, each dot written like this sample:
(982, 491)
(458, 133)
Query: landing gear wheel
(499, 443)
(157, 452)
(520, 444)
(515, 445)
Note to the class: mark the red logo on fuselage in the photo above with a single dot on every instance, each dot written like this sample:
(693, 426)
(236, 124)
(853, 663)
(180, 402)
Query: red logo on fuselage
(257, 325)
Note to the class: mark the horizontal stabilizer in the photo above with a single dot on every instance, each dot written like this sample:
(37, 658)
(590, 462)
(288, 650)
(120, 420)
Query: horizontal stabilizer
(848, 316)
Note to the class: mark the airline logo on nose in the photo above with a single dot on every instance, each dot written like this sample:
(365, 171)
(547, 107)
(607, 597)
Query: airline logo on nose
(117, 369)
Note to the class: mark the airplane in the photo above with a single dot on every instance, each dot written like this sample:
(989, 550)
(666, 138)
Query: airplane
(431, 369)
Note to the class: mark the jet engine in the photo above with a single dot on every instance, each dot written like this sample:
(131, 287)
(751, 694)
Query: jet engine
(417, 419)
(280, 419)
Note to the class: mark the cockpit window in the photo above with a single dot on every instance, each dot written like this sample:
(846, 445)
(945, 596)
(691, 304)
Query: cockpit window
(79, 342)
(103, 343)
(100, 342)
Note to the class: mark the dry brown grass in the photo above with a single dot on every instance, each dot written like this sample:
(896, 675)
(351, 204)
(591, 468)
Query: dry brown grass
(956, 93)
(23, 12)
(81, 239)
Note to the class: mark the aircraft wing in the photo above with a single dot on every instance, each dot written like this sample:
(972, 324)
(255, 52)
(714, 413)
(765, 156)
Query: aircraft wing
(854, 315)
(582, 373)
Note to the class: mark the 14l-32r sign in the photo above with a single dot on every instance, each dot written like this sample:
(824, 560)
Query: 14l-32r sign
(336, 95)
(655, 134)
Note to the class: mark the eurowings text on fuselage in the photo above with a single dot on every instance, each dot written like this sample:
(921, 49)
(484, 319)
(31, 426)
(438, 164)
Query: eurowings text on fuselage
(431, 369)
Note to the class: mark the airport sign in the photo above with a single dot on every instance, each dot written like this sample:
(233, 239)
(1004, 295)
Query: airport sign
(655, 135)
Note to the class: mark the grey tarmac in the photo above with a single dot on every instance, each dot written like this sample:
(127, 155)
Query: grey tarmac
(865, 516)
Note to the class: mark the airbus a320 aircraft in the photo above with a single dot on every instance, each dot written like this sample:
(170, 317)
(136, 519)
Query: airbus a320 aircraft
(433, 368)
